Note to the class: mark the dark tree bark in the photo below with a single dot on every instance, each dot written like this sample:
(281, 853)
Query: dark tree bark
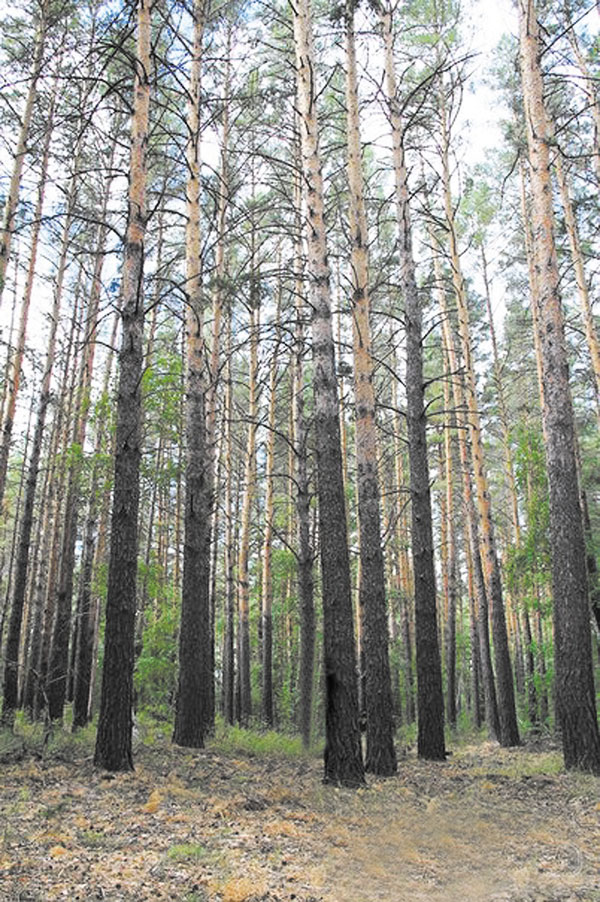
(343, 758)
(229, 637)
(113, 741)
(194, 696)
(574, 678)
(305, 555)
(377, 689)
(430, 699)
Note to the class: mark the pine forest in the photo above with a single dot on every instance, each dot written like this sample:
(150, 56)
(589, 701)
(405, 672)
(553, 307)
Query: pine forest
(299, 426)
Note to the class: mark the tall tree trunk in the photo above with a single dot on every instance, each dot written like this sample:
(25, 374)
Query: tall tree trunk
(229, 637)
(192, 716)
(377, 700)
(343, 757)
(113, 741)
(430, 700)
(11, 334)
(243, 573)
(476, 668)
(451, 568)
(47, 578)
(13, 549)
(574, 681)
(267, 573)
(405, 582)
(305, 555)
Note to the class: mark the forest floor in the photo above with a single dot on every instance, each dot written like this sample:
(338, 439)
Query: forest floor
(230, 825)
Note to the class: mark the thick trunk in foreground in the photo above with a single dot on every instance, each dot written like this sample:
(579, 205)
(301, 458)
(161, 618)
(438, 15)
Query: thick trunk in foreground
(343, 758)
(574, 680)
(113, 741)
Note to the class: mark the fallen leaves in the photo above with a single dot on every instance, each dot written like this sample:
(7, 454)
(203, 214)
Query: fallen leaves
(213, 828)
(153, 803)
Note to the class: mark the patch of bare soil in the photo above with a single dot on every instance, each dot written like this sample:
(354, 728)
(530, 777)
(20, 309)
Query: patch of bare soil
(489, 824)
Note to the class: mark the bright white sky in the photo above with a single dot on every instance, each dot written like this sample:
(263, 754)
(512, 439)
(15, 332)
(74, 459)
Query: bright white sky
(490, 19)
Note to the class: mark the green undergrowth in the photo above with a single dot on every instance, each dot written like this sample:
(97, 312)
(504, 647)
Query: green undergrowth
(44, 740)
(539, 755)
(232, 740)
(514, 764)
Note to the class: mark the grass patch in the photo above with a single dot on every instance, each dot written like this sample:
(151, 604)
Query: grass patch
(188, 852)
(93, 839)
(515, 764)
(236, 740)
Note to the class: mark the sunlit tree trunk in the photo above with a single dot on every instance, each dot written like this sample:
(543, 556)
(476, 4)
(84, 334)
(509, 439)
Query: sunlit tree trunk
(574, 682)
(113, 741)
